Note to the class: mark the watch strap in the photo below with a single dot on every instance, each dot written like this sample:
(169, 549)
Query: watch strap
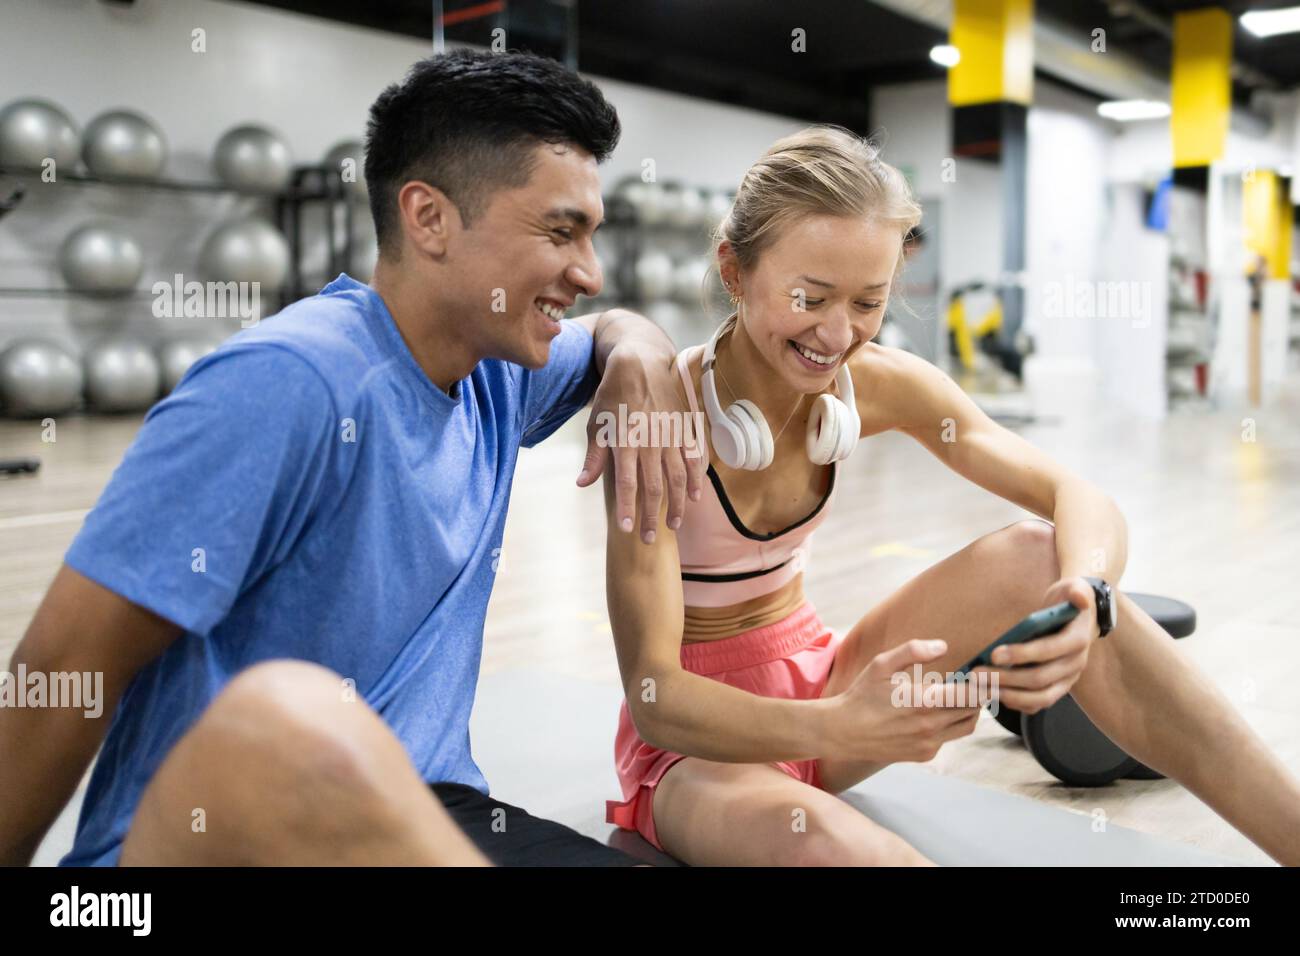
(1105, 600)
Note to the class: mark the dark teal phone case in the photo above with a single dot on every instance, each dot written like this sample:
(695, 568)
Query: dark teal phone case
(1039, 624)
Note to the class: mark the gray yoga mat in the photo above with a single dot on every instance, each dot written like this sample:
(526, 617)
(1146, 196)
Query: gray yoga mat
(545, 742)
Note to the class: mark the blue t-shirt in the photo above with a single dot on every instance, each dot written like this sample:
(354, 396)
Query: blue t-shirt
(307, 492)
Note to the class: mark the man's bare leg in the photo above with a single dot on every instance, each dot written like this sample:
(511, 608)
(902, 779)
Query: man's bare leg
(283, 768)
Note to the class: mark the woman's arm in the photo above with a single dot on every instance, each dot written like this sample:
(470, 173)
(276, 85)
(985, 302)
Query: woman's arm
(900, 391)
(676, 710)
(672, 708)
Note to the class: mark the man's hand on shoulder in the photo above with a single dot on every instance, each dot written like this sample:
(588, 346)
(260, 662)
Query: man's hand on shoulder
(640, 420)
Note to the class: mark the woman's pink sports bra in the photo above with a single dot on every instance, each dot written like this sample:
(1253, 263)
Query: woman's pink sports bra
(723, 562)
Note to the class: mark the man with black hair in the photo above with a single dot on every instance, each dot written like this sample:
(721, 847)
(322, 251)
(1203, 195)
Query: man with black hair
(286, 580)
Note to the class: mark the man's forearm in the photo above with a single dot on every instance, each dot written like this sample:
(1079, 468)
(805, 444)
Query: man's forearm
(43, 753)
(619, 328)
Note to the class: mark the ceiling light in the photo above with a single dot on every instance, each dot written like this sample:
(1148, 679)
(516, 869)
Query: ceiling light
(1125, 111)
(1269, 23)
(945, 54)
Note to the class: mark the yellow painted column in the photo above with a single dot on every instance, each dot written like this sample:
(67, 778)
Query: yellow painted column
(1268, 221)
(990, 89)
(1201, 86)
(996, 41)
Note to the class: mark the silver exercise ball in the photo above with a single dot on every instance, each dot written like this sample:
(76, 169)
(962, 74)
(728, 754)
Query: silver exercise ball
(688, 281)
(632, 191)
(246, 250)
(654, 276)
(121, 376)
(348, 161)
(718, 206)
(32, 131)
(176, 357)
(669, 317)
(121, 144)
(101, 259)
(39, 378)
(685, 207)
(654, 204)
(253, 159)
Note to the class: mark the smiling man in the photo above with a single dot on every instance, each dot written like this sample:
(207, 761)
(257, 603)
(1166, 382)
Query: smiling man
(286, 580)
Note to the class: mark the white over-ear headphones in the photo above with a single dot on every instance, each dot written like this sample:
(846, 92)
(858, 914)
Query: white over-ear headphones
(741, 437)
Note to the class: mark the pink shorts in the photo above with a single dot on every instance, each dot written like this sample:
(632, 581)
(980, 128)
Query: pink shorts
(791, 658)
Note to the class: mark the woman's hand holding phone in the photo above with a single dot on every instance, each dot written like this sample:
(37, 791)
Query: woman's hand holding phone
(1035, 674)
(885, 716)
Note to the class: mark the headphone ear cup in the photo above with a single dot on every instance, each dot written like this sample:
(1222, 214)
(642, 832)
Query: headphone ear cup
(758, 437)
(823, 436)
(846, 411)
(745, 438)
(849, 428)
(728, 441)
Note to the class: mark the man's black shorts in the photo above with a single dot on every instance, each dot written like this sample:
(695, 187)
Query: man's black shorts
(510, 836)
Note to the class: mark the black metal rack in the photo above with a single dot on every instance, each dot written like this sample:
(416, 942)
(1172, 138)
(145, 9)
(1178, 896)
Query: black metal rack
(315, 184)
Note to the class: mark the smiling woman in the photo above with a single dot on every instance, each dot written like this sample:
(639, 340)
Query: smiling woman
(741, 707)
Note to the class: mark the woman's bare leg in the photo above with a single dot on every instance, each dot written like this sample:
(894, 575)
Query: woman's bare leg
(1158, 707)
(968, 599)
(1137, 688)
(720, 814)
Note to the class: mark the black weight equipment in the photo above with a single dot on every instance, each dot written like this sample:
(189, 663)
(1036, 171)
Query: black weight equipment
(19, 466)
(1066, 743)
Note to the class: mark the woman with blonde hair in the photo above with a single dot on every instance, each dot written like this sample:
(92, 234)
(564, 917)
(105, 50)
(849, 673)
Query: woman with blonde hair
(744, 714)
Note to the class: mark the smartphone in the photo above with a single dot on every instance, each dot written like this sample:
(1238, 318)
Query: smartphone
(1039, 624)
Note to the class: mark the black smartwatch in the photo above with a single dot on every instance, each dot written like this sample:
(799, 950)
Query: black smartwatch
(1106, 610)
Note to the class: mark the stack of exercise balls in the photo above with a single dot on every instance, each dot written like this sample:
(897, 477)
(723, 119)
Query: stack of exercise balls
(673, 225)
(39, 378)
(123, 375)
(674, 205)
(102, 259)
(119, 144)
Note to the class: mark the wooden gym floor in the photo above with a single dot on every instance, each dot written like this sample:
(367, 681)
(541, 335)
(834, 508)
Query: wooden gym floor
(1213, 520)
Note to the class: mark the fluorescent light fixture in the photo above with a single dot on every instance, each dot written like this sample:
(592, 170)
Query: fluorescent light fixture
(945, 54)
(1269, 23)
(1126, 111)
